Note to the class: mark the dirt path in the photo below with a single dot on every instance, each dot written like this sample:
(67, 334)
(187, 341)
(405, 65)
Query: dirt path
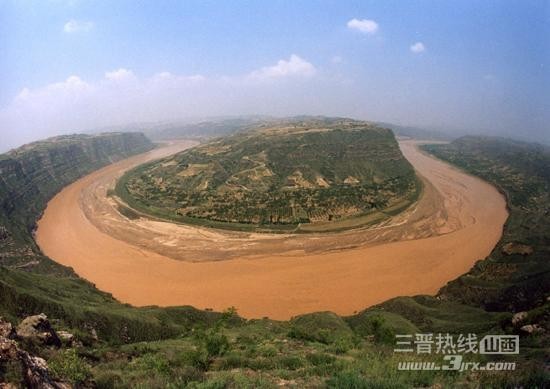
(458, 220)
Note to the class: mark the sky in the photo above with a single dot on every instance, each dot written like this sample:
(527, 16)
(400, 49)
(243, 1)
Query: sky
(457, 66)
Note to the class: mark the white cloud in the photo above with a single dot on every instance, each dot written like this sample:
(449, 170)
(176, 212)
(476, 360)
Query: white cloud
(163, 76)
(73, 85)
(294, 66)
(77, 25)
(418, 48)
(365, 26)
(119, 75)
(169, 77)
(122, 97)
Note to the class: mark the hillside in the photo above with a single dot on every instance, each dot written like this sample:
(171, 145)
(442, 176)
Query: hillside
(282, 176)
(120, 346)
(30, 282)
(32, 174)
(417, 132)
(517, 274)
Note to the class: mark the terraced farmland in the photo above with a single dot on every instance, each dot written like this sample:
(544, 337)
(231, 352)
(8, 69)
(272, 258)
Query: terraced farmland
(286, 176)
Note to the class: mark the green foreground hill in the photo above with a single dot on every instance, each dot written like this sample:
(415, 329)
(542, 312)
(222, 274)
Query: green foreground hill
(121, 346)
(303, 175)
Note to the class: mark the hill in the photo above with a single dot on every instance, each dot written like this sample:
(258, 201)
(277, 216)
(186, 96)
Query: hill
(518, 270)
(32, 174)
(417, 133)
(201, 129)
(289, 175)
(116, 345)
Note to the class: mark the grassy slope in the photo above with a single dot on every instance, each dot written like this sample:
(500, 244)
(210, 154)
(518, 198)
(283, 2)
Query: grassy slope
(202, 349)
(244, 181)
(29, 281)
(31, 175)
(522, 172)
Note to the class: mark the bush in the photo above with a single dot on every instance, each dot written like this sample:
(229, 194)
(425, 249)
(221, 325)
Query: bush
(319, 359)
(377, 326)
(268, 350)
(108, 380)
(289, 362)
(196, 358)
(153, 362)
(382, 333)
(216, 344)
(67, 365)
(342, 345)
(233, 360)
(350, 380)
(323, 327)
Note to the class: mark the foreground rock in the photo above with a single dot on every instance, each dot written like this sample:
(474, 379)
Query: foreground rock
(6, 330)
(532, 329)
(33, 370)
(66, 336)
(38, 329)
(519, 317)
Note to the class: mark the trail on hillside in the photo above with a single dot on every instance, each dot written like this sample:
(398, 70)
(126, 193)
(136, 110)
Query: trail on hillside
(141, 261)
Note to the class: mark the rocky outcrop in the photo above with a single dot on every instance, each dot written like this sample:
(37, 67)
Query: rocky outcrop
(66, 336)
(532, 329)
(33, 370)
(519, 317)
(6, 330)
(38, 329)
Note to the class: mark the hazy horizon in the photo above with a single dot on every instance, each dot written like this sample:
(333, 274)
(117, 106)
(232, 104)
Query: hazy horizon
(464, 67)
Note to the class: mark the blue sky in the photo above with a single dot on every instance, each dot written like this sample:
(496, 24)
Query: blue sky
(466, 66)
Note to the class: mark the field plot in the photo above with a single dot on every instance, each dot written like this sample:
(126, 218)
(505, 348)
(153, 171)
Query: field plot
(286, 177)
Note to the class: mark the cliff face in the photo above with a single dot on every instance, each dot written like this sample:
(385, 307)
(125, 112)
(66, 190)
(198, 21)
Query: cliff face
(32, 174)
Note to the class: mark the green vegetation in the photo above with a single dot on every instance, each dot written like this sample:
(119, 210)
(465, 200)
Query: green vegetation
(313, 175)
(119, 346)
(266, 354)
(68, 365)
(516, 276)
(31, 175)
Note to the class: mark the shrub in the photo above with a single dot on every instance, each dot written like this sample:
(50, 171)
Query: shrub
(318, 359)
(290, 362)
(267, 350)
(323, 327)
(67, 365)
(196, 358)
(153, 362)
(233, 360)
(216, 344)
(350, 380)
(377, 326)
(108, 380)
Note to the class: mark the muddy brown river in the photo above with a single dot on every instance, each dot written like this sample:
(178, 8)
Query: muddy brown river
(457, 221)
